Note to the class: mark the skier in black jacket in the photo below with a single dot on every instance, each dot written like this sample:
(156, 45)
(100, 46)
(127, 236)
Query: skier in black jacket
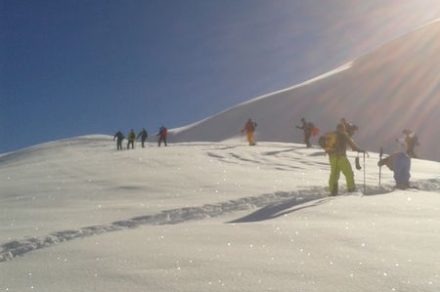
(119, 137)
(307, 129)
(143, 135)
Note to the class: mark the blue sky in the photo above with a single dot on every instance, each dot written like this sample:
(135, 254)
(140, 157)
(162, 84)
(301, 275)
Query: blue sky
(78, 67)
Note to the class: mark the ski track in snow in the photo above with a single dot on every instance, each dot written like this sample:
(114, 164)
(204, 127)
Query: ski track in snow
(271, 206)
(271, 159)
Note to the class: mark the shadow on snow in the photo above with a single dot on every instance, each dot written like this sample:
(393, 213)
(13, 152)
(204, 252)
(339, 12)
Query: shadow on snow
(270, 206)
(280, 209)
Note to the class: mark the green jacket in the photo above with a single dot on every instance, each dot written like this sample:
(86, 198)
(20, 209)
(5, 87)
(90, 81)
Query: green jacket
(131, 136)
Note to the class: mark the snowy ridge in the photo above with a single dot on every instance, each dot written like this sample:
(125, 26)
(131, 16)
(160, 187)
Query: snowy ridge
(34, 152)
(301, 84)
(273, 205)
(398, 77)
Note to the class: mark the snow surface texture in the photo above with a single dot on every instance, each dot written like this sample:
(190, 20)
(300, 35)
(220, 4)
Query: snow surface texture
(391, 89)
(77, 215)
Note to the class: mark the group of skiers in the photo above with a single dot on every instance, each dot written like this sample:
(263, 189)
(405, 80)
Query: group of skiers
(335, 144)
(142, 135)
(308, 128)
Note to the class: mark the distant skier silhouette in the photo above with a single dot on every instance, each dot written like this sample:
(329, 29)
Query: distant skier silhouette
(249, 129)
(131, 138)
(309, 130)
(119, 137)
(162, 134)
(143, 135)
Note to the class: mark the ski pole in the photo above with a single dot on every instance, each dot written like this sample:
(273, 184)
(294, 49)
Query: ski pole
(380, 166)
(365, 186)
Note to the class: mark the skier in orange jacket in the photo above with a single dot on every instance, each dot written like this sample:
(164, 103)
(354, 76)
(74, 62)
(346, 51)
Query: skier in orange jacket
(249, 129)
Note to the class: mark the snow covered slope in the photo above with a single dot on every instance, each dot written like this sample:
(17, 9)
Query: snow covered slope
(79, 216)
(393, 88)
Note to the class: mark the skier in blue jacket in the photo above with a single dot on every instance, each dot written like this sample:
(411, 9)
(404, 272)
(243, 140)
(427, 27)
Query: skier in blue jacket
(400, 164)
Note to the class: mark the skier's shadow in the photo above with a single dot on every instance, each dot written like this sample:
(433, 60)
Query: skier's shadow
(279, 209)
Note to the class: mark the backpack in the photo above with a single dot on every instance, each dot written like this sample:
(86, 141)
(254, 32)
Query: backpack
(310, 127)
(328, 141)
(313, 130)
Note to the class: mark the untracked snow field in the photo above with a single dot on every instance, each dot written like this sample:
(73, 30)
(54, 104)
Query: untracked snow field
(77, 215)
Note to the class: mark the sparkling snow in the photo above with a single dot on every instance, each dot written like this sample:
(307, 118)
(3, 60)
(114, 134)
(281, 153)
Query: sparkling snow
(79, 216)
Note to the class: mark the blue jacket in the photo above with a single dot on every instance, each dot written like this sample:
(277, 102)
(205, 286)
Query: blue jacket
(401, 168)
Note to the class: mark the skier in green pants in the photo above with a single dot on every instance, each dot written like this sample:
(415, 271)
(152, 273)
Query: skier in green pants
(339, 162)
